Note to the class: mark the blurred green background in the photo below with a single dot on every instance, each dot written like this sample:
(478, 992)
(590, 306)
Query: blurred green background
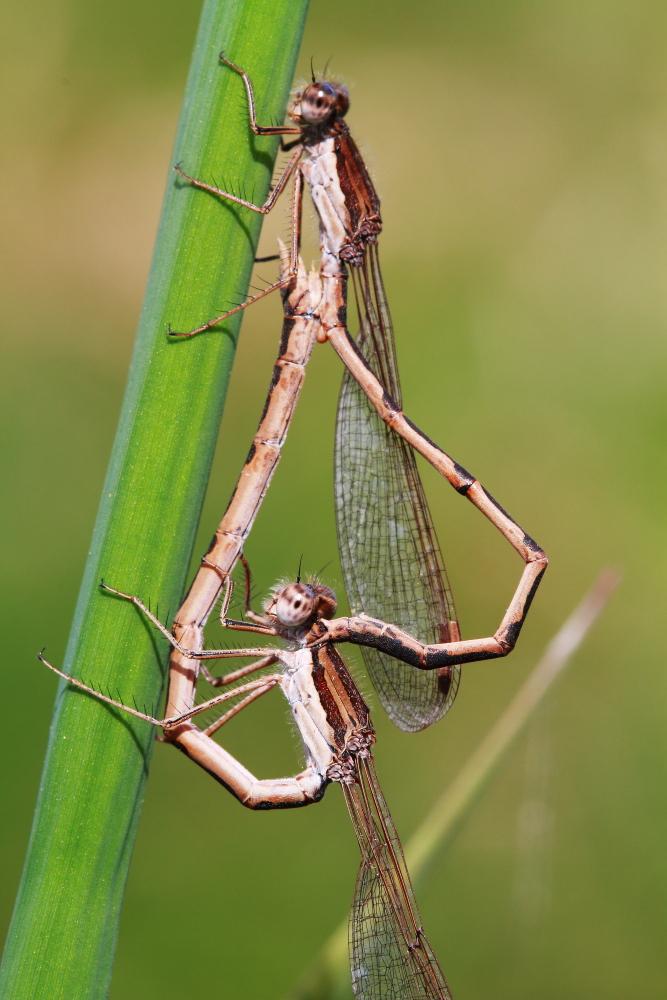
(520, 150)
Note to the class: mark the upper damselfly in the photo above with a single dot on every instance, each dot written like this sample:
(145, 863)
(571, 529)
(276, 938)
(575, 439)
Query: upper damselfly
(390, 555)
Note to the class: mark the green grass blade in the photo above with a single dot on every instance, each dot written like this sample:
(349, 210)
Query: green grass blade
(328, 977)
(63, 933)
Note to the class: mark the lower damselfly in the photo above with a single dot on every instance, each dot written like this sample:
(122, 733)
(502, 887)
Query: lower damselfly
(390, 956)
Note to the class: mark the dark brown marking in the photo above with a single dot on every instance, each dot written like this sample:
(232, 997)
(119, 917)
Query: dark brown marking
(332, 712)
(391, 404)
(531, 544)
(361, 198)
(511, 633)
(445, 677)
(264, 806)
(358, 353)
(440, 658)
(498, 507)
(463, 474)
(275, 379)
(392, 647)
(425, 437)
(359, 705)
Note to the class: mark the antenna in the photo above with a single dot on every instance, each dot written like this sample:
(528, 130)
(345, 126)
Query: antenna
(319, 572)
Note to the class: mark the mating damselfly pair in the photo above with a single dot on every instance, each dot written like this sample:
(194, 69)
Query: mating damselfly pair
(403, 615)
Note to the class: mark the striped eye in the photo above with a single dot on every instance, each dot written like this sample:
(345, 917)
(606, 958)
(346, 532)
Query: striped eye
(317, 102)
(294, 605)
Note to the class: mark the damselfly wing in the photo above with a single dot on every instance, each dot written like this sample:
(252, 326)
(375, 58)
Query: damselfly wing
(390, 956)
(390, 556)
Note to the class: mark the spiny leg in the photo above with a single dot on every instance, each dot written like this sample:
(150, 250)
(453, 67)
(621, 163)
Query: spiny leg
(97, 694)
(247, 597)
(261, 623)
(261, 684)
(261, 209)
(168, 723)
(192, 654)
(258, 129)
(226, 598)
(271, 683)
(287, 275)
(236, 675)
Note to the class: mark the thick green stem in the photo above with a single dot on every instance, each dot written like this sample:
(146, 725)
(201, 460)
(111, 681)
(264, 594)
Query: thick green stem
(63, 933)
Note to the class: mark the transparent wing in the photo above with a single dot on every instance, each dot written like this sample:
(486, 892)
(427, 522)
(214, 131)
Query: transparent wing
(391, 560)
(390, 956)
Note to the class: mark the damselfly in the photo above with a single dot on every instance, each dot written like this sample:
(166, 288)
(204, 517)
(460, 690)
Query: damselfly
(390, 955)
(391, 559)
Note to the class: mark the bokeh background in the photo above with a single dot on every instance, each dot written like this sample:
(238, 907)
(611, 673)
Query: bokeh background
(520, 149)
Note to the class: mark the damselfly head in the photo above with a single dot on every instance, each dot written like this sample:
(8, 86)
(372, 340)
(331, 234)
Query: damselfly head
(320, 101)
(297, 603)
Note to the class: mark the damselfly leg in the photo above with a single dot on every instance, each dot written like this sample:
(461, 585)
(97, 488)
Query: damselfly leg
(290, 269)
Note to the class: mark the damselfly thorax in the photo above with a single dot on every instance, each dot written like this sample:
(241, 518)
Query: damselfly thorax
(330, 714)
(345, 199)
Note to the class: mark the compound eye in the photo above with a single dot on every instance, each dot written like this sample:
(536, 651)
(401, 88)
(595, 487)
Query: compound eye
(295, 605)
(317, 103)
